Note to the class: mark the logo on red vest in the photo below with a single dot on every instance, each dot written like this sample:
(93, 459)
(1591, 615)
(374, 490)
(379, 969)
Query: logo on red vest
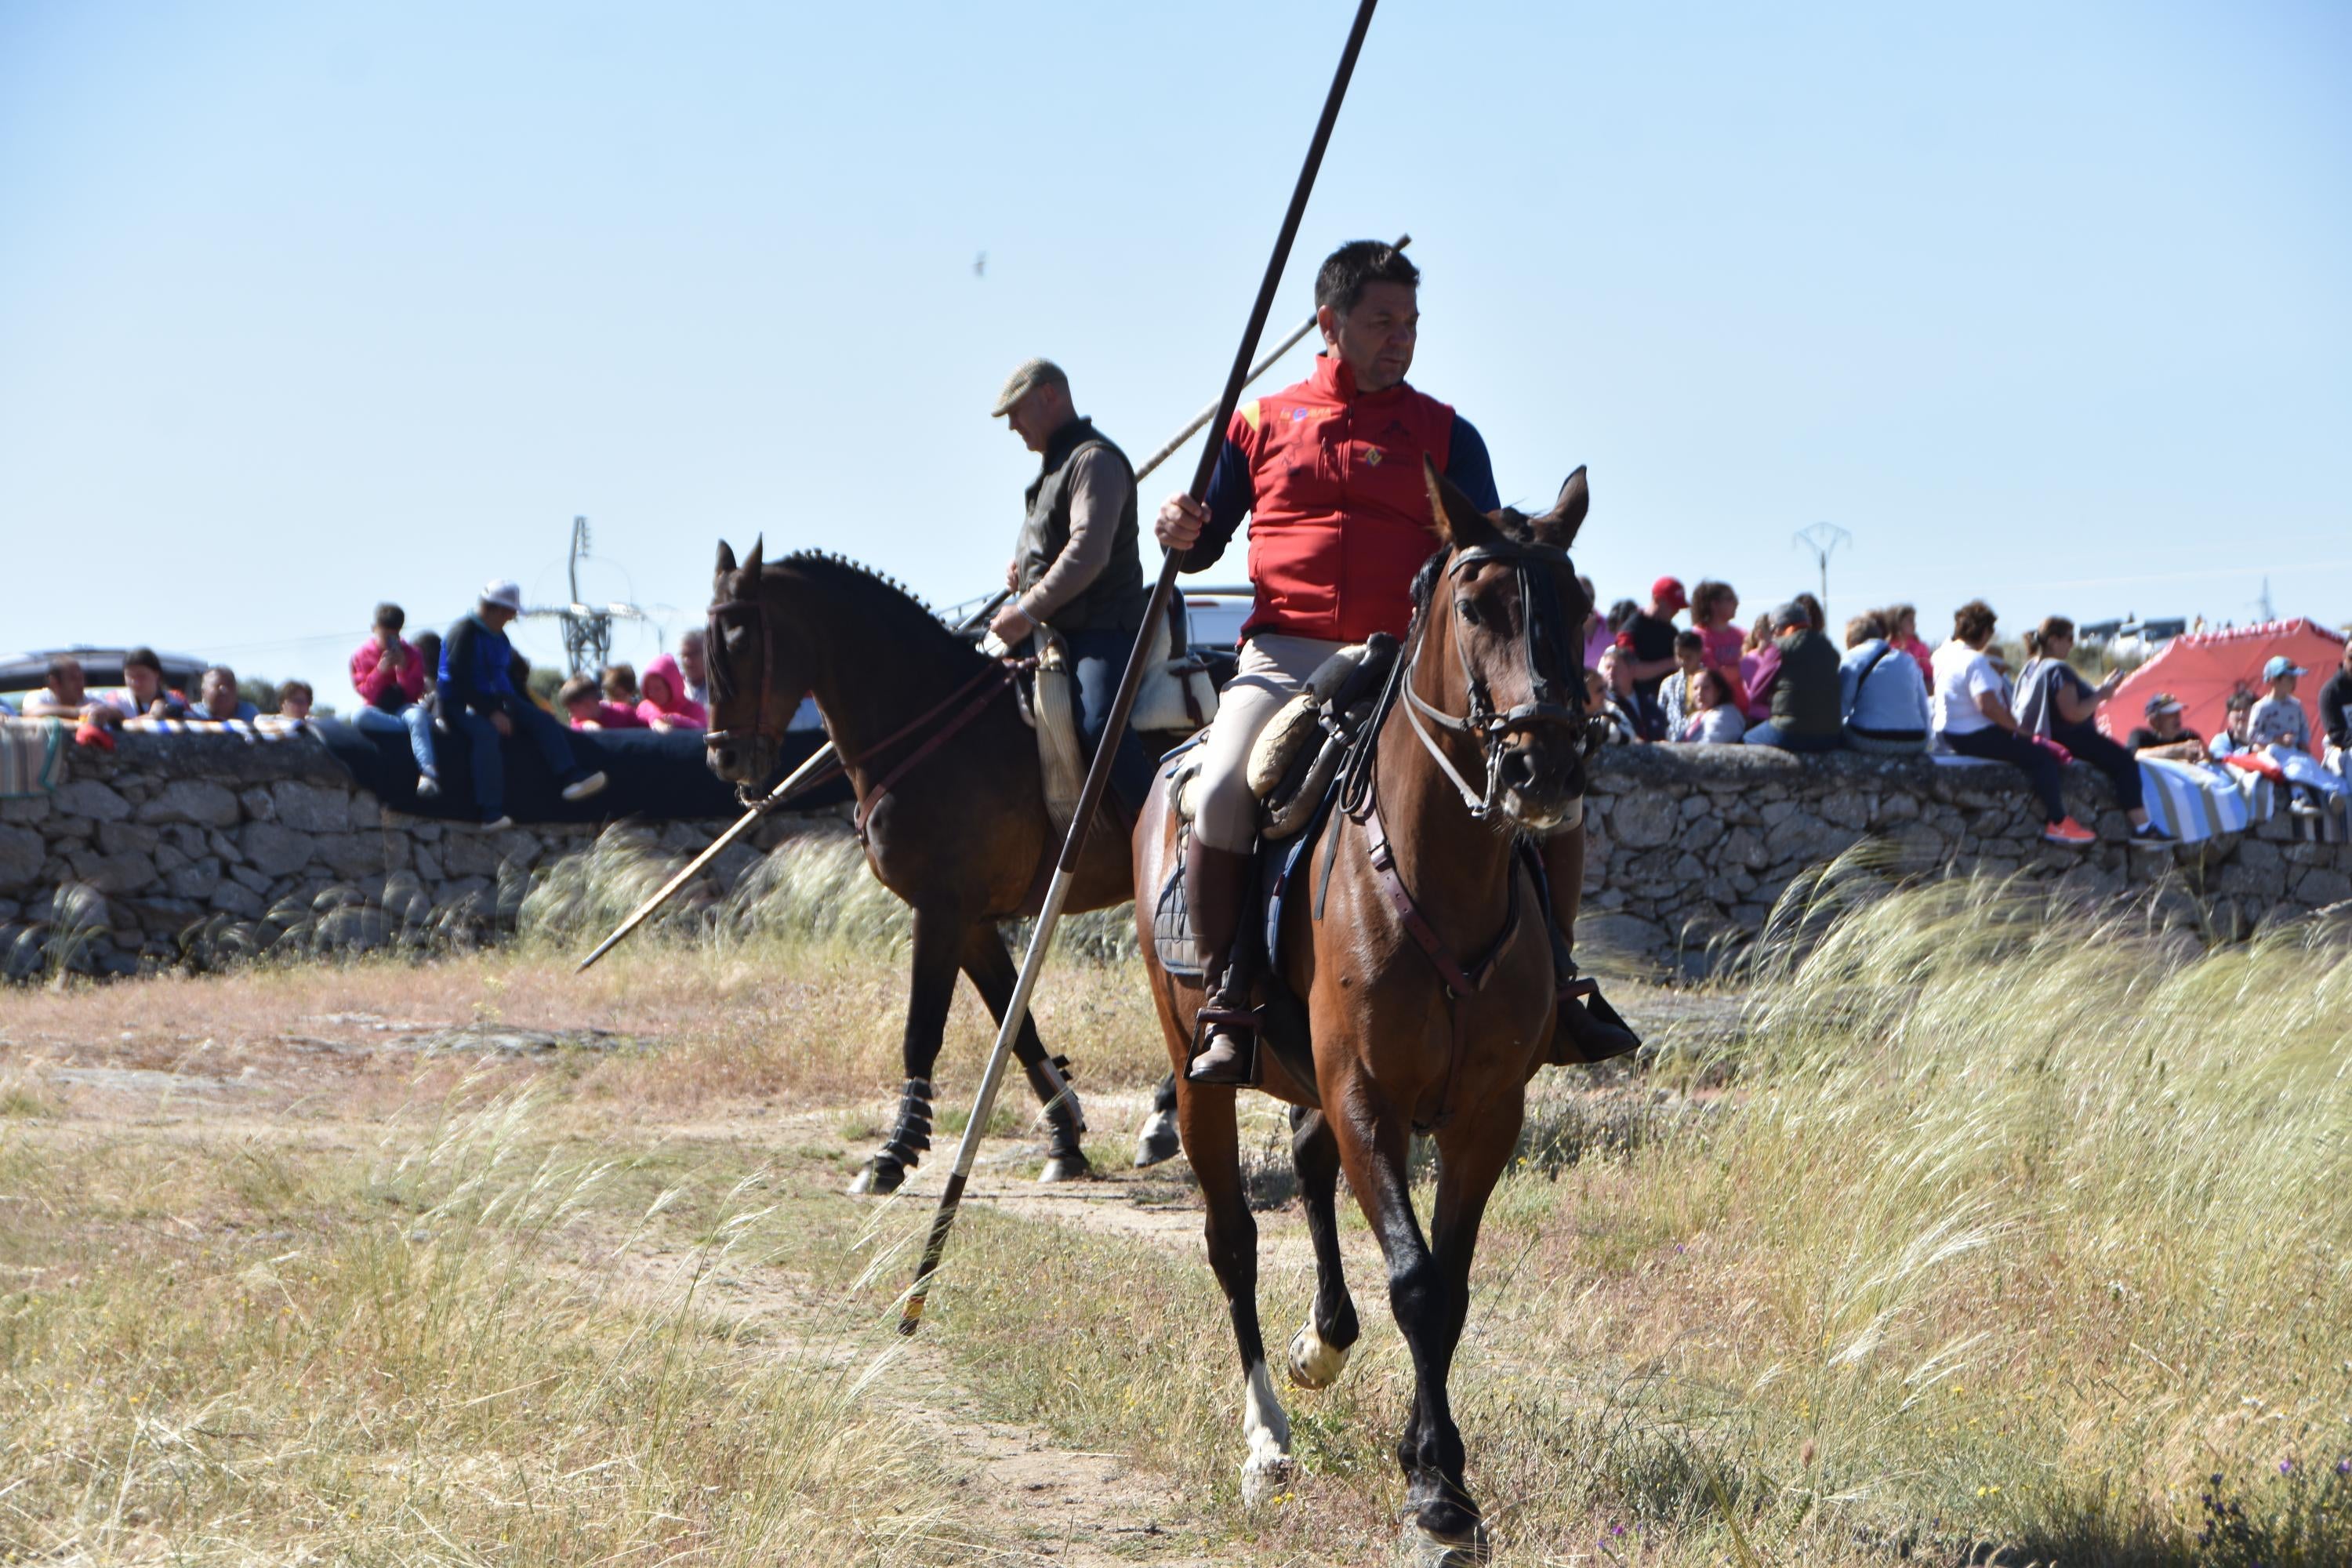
(1372, 455)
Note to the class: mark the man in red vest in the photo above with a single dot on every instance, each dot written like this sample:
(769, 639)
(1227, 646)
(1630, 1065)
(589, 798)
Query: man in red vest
(1329, 474)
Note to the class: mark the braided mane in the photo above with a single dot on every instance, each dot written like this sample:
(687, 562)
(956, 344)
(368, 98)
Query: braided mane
(856, 568)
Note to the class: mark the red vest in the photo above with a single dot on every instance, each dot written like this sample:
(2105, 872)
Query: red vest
(1339, 515)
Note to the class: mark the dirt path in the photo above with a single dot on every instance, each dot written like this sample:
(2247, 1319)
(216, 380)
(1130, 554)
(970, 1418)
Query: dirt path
(1064, 1505)
(329, 1082)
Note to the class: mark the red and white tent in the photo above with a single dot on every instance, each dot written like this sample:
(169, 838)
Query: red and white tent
(2204, 667)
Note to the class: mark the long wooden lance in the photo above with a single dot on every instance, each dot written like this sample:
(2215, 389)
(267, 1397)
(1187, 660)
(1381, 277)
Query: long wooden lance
(820, 763)
(1017, 1012)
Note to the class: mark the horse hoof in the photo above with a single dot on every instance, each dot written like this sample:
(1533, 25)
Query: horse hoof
(1420, 1549)
(879, 1179)
(1314, 1363)
(1268, 1478)
(1157, 1141)
(1067, 1168)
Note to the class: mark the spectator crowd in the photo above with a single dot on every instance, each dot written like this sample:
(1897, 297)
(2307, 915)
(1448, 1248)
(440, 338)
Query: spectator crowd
(1780, 682)
(1783, 683)
(469, 681)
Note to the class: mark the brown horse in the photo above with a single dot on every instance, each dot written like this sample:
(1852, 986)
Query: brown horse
(1424, 994)
(950, 798)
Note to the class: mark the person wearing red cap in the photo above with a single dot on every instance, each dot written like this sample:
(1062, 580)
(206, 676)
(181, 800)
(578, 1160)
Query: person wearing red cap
(1649, 636)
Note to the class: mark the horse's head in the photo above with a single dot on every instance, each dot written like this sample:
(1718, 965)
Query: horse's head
(758, 675)
(1505, 608)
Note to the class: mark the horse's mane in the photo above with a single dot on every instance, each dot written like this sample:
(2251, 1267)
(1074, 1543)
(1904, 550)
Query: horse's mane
(878, 591)
(827, 558)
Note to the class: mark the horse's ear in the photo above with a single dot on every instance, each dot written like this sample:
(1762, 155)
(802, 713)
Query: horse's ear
(725, 558)
(752, 562)
(1459, 521)
(1560, 525)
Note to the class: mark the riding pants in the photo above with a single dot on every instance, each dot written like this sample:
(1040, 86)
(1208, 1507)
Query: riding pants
(1272, 671)
(1097, 658)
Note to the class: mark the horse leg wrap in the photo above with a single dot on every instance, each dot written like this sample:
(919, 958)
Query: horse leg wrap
(1066, 1125)
(912, 1136)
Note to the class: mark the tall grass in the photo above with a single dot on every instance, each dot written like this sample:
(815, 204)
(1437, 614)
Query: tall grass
(2031, 1217)
(815, 888)
(2019, 1224)
(249, 1353)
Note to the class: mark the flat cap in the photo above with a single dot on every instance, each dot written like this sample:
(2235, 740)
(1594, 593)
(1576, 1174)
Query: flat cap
(1791, 614)
(1030, 375)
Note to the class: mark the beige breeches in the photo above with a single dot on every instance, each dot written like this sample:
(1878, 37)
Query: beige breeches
(1273, 668)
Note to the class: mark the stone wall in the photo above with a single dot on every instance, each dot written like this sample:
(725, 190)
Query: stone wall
(1691, 845)
(175, 845)
(147, 854)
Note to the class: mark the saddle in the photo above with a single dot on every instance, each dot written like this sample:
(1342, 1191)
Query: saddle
(1295, 770)
(1179, 695)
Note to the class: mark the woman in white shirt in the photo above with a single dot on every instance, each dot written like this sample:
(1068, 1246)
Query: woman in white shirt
(1714, 717)
(1973, 718)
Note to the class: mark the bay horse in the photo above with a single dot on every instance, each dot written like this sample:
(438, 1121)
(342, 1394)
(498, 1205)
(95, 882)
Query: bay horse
(1418, 958)
(951, 795)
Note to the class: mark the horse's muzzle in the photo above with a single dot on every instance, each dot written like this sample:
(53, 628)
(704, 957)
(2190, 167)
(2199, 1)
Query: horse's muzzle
(740, 758)
(1542, 772)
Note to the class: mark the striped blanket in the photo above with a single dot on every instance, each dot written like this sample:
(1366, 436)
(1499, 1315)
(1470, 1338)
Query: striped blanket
(2193, 801)
(268, 727)
(32, 756)
(2196, 801)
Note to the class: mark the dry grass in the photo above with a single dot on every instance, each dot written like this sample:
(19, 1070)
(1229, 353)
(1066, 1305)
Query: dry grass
(1996, 1223)
(242, 1351)
(2022, 1228)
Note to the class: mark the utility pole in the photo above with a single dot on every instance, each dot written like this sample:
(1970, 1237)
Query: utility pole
(1822, 539)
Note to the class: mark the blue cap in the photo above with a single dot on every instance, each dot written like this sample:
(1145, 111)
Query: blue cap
(2282, 665)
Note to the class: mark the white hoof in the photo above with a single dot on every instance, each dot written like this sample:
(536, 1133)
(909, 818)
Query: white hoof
(1422, 1549)
(879, 1179)
(1076, 1168)
(1158, 1141)
(1313, 1362)
(1269, 1470)
(1267, 1478)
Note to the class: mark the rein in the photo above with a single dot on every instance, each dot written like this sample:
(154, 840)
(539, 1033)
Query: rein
(1360, 790)
(982, 689)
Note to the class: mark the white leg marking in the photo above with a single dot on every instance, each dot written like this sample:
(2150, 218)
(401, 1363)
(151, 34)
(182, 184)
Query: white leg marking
(1314, 1363)
(1267, 1472)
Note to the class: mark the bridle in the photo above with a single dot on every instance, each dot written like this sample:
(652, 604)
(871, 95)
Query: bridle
(994, 677)
(754, 614)
(1538, 568)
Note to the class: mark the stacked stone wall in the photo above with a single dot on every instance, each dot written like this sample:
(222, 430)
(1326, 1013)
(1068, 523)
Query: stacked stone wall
(143, 848)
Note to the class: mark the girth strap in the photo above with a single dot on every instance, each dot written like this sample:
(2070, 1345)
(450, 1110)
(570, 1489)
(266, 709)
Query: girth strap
(1459, 980)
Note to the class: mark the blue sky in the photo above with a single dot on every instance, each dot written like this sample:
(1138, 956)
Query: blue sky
(303, 306)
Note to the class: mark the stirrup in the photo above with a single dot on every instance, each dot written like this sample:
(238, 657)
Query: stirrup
(1240, 1027)
(1615, 1036)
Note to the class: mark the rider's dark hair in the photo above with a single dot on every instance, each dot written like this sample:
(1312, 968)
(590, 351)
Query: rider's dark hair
(1340, 283)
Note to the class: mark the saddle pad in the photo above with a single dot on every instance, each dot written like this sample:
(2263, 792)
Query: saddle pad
(1171, 919)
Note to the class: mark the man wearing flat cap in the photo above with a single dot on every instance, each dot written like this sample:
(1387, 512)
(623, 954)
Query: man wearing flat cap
(1075, 568)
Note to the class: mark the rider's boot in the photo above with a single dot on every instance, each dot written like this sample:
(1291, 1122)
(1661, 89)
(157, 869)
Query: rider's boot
(1585, 1027)
(1216, 892)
